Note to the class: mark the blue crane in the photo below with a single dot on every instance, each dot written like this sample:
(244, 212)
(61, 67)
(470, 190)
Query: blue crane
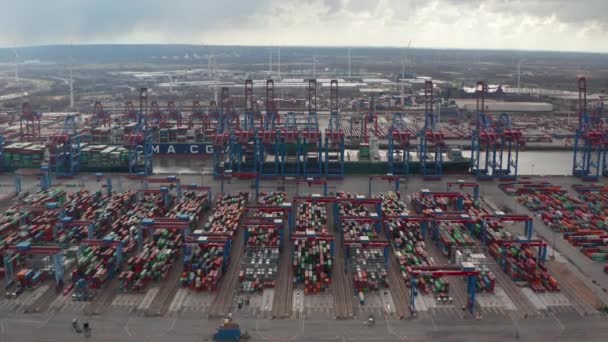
(484, 139)
(399, 146)
(507, 162)
(431, 139)
(589, 149)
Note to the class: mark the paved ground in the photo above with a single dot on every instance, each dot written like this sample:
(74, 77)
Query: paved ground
(554, 316)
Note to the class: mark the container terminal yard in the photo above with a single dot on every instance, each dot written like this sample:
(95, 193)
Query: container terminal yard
(159, 258)
(295, 248)
(309, 223)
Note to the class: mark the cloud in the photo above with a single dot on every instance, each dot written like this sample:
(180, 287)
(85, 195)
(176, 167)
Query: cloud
(497, 24)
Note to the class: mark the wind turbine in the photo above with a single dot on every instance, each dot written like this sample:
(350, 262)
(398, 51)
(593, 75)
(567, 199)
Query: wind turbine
(16, 64)
(348, 63)
(213, 75)
(279, 63)
(270, 62)
(71, 66)
(403, 73)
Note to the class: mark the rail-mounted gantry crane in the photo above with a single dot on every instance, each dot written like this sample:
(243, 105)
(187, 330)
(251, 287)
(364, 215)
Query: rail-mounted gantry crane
(589, 142)
(432, 144)
(334, 137)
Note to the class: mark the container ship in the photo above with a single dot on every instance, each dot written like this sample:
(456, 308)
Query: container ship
(104, 140)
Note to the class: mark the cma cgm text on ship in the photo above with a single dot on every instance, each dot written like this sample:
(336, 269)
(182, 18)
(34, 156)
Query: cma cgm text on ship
(182, 149)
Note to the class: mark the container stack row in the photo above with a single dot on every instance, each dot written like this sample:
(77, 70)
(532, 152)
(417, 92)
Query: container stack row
(203, 267)
(42, 197)
(260, 262)
(312, 264)
(392, 205)
(410, 250)
(520, 264)
(311, 217)
(581, 220)
(95, 264)
(274, 198)
(486, 280)
(154, 261)
(369, 269)
(206, 261)
(450, 235)
(227, 214)
(353, 230)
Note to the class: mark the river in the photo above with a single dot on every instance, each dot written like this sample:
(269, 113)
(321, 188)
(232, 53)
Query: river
(550, 163)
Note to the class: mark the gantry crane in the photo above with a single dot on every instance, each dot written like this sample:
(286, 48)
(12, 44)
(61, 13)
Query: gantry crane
(334, 136)
(181, 223)
(285, 208)
(198, 119)
(464, 269)
(273, 118)
(66, 147)
(228, 174)
(431, 139)
(100, 117)
(311, 137)
(26, 248)
(371, 118)
(268, 136)
(172, 114)
(589, 140)
(222, 137)
(311, 182)
(499, 216)
(130, 114)
(155, 115)
(243, 147)
(139, 141)
(462, 184)
(29, 124)
(389, 177)
(399, 146)
(510, 139)
(44, 174)
(484, 140)
(288, 143)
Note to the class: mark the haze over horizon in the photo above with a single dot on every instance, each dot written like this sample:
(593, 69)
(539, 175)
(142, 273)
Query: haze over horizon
(559, 25)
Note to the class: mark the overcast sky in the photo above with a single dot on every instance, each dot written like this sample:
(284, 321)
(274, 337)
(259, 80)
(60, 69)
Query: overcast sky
(567, 25)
